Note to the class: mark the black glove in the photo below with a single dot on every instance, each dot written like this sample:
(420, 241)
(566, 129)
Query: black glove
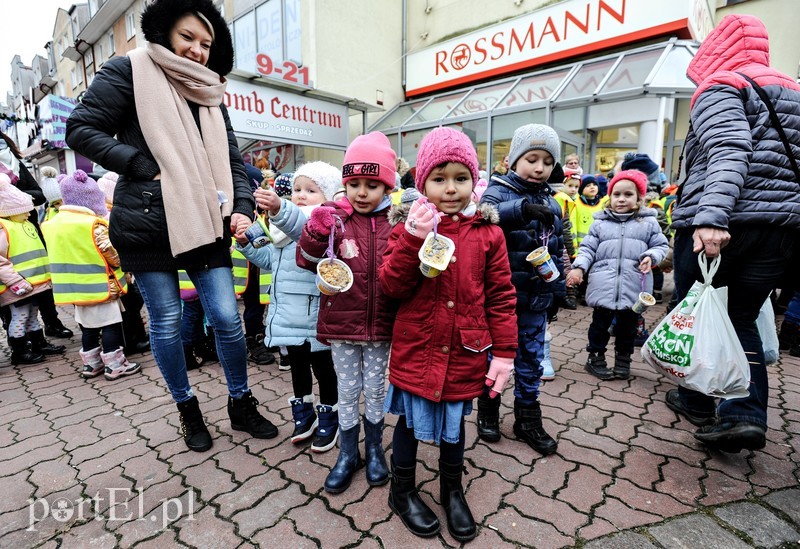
(538, 212)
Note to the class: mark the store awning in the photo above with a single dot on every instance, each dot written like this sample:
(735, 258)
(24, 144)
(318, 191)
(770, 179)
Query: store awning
(654, 70)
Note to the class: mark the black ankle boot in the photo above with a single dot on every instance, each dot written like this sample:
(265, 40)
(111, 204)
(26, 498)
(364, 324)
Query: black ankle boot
(377, 472)
(21, 352)
(245, 416)
(193, 428)
(622, 366)
(348, 462)
(788, 335)
(489, 418)
(192, 362)
(460, 522)
(597, 366)
(528, 427)
(405, 501)
(57, 329)
(40, 345)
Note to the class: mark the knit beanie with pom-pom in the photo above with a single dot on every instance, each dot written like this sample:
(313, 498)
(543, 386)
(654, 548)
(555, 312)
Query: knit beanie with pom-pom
(79, 189)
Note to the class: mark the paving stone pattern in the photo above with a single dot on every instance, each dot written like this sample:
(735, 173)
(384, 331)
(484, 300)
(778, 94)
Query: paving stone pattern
(101, 463)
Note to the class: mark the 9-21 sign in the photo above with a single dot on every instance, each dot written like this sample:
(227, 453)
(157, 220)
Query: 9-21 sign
(287, 70)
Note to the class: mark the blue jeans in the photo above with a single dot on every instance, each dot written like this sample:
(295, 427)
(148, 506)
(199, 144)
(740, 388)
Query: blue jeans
(193, 325)
(528, 362)
(161, 296)
(752, 265)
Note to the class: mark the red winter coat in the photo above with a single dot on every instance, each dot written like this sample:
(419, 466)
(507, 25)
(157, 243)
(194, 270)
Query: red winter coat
(364, 312)
(446, 325)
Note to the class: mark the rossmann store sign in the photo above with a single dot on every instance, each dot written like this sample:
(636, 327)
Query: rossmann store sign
(563, 30)
(266, 113)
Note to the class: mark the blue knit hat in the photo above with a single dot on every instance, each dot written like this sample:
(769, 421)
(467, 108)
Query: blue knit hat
(283, 184)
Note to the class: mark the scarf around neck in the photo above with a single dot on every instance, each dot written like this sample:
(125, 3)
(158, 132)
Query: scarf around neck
(196, 177)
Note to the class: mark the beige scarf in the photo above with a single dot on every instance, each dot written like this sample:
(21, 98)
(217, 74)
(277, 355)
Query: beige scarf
(193, 166)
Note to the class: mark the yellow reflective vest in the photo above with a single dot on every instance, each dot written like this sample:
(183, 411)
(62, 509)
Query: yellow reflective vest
(264, 282)
(584, 216)
(240, 266)
(567, 211)
(80, 273)
(26, 251)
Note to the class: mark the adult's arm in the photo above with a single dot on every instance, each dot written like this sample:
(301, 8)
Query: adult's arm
(243, 201)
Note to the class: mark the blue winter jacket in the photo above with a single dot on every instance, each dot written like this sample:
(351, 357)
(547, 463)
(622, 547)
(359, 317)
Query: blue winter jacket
(611, 253)
(294, 296)
(509, 193)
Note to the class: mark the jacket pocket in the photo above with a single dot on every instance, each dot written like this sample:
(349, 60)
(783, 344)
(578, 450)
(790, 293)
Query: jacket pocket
(476, 340)
(138, 219)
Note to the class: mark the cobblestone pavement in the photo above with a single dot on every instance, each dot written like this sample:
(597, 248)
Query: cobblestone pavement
(628, 472)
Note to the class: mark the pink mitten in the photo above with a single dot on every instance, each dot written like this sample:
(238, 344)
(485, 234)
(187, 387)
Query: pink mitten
(420, 218)
(21, 287)
(322, 220)
(500, 369)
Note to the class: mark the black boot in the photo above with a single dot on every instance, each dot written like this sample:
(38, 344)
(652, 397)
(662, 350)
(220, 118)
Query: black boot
(21, 352)
(489, 418)
(528, 427)
(377, 472)
(597, 366)
(622, 366)
(206, 349)
(570, 301)
(348, 462)
(405, 501)
(257, 352)
(57, 329)
(193, 428)
(245, 417)
(460, 522)
(40, 345)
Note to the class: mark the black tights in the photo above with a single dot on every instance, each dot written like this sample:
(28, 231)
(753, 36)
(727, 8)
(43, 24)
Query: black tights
(111, 337)
(303, 361)
(404, 446)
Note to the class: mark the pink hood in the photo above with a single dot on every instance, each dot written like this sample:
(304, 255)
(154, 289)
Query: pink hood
(738, 42)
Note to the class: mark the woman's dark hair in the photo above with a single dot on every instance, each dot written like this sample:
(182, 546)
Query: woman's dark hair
(159, 17)
(11, 145)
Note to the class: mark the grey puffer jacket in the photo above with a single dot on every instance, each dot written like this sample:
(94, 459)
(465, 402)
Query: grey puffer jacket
(611, 253)
(737, 169)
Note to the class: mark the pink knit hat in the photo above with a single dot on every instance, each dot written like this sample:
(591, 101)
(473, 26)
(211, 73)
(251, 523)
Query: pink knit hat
(443, 145)
(370, 156)
(107, 184)
(639, 179)
(12, 200)
(81, 190)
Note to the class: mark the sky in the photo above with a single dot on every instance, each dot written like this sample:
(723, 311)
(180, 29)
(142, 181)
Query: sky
(27, 27)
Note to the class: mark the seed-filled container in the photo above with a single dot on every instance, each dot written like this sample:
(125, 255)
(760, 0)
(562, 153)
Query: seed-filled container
(435, 254)
(333, 276)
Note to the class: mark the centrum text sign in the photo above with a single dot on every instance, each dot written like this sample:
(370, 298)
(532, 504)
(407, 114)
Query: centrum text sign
(266, 113)
(566, 29)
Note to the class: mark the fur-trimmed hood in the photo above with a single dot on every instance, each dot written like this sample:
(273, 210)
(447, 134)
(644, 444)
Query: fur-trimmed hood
(399, 212)
(159, 17)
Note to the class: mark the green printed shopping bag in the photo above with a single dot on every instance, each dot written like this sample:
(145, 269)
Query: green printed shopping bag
(695, 345)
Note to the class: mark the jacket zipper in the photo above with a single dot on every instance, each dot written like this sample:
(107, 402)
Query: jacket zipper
(310, 298)
(274, 295)
(619, 261)
(370, 277)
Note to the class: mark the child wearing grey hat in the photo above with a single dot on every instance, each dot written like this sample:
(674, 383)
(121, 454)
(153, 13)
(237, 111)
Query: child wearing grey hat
(530, 218)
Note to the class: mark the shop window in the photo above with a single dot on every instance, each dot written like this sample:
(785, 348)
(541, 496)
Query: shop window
(570, 120)
(244, 30)
(608, 157)
(269, 26)
(400, 115)
(503, 128)
(586, 81)
(624, 135)
(410, 145)
(293, 31)
(437, 108)
(534, 89)
(632, 71)
(481, 99)
(682, 118)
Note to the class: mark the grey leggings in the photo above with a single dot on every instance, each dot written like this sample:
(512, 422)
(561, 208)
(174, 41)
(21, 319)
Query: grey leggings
(360, 364)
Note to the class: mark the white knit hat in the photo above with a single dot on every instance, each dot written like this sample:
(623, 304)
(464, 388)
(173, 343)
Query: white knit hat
(534, 137)
(327, 177)
(107, 183)
(12, 200)
(49, 185)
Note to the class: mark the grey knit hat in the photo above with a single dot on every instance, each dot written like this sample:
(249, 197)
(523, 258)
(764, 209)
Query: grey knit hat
(534, 137)
(409, 195)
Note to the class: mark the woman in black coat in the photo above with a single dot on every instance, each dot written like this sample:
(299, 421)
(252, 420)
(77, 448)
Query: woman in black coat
(182, 190)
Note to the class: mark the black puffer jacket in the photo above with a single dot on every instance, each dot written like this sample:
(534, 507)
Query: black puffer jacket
(138, 226)
(737, 169)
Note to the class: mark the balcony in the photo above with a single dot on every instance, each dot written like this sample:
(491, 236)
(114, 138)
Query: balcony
(105, 17)
(75, 52)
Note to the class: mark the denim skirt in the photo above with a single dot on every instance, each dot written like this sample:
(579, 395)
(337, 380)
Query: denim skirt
(431, 421)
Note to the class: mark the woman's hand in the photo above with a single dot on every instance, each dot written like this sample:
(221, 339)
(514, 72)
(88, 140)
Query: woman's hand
(646, 265)
(239, 224)
(575, 277)
(268, 200)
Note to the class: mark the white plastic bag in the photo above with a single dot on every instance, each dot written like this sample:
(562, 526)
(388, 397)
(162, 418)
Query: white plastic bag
(768, 332)
(695, 345)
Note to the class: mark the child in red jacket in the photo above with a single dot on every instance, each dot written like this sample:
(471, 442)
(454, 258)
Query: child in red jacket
(445, 327)
(357, 323)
